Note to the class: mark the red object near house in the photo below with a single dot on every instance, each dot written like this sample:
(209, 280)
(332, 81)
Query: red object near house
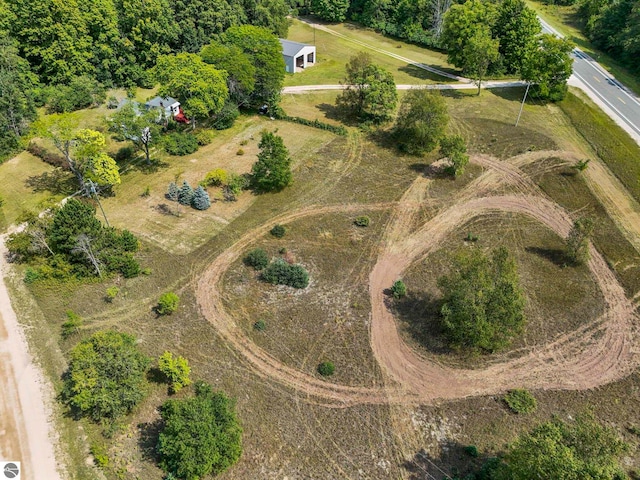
(180, 117)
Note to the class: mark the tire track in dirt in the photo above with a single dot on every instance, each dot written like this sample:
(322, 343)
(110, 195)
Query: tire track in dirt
(601, 351)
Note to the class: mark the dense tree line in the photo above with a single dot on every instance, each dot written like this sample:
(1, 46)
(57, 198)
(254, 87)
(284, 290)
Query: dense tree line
(117, 41)
(614, 26)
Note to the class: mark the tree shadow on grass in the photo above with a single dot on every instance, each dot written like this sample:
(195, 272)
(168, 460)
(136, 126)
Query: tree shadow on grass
(338, 113)
(420, 317)
(148, 441)
(554, 255)
(417, 72)
(57, 181)
(454, 461)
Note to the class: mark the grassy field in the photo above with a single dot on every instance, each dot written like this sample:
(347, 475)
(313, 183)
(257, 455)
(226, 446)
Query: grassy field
(567, 21)
(27, 184)
(612, 144)
(334, 52)
(286, 433)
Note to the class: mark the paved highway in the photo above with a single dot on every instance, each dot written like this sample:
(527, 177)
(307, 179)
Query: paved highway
(613, 97)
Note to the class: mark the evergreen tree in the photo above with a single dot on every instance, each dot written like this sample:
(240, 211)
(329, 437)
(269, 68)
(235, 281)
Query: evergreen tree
(200, 200)
(272, 171)
(185, 195)
(172, 193)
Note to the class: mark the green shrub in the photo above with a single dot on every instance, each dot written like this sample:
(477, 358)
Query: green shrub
(337, 129)
(180, 144)
(280, 272)
(72, 325)
(176, 371)
(146, 192)
(471, 237)
(205, 137)
(111, 293)
(398, 289)
(257, 258)
(31, 276)
(100, 456)
(471, 450)
(278, 231)
(260, 325)
(215, 178)
(240, 152)
(168, 303)
(326, 369)
(521, 401)
(362, 221)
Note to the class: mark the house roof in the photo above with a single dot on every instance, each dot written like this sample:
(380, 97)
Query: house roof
(291, 49)
(161, 102)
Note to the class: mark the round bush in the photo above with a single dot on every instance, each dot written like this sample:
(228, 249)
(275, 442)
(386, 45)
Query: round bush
(521, 401)
(278, 231)
(168, 303)
(326, 369)
(205, 137)
(216, 178)
(260, 325)
(280, 272)
(362, 221)
(257, 258)
(180, 143)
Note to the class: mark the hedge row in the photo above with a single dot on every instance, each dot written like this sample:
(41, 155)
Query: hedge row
(337, 129)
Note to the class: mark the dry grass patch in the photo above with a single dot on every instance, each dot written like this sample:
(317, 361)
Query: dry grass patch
(329, 320)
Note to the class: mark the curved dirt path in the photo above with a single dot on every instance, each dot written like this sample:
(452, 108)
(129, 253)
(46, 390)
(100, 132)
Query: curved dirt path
(599, 352)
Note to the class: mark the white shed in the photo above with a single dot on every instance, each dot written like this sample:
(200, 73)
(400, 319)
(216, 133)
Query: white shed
(297, 56)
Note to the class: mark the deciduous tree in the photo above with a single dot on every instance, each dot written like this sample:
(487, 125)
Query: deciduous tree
(140, 127)
(370, 91)
(579, 449)
(201, 435)
(200, 87)
(455, 149)
(422, 120)
(241, 73)
(478, 54)
(461, 23)
(106, 376)
(330, 10)
(483, 304)
(516, 27)
(176, 370)
(548, 67)
(265, 53)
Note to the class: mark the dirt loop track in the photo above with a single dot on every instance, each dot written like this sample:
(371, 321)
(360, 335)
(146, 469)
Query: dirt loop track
(601, 351)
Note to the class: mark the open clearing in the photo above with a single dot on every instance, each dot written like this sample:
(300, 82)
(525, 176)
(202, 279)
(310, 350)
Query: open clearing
(391, 420)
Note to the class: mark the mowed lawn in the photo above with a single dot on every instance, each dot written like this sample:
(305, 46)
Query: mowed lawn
(334, 52)
(180, 229)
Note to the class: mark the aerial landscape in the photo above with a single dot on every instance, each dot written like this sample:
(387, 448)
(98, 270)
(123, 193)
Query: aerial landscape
(323, 239)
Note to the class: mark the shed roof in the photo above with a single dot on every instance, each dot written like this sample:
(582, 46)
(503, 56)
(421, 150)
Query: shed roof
(161, 102)
(291, 49)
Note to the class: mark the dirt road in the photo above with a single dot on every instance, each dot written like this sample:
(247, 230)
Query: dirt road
(26, 434)
(602, 351)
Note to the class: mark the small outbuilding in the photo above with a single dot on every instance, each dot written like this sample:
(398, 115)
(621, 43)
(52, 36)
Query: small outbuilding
(170, 105)
(297, 56)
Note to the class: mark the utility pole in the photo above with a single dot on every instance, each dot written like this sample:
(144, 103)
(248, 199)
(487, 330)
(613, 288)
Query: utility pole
(523, 100)
(91, 190)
